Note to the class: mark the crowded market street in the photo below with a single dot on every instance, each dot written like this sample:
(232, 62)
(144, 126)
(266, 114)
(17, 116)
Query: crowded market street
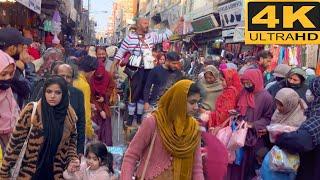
(159, 89)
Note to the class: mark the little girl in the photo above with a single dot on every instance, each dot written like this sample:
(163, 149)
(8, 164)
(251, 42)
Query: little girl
(97, 165)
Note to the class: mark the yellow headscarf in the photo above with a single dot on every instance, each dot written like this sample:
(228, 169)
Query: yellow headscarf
(179, 133)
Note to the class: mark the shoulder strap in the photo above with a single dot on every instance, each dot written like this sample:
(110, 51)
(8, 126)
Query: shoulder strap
(34, 110)
(149, 154)
(16, 168)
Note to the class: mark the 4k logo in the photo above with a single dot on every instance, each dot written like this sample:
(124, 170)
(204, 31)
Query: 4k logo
(282, 22)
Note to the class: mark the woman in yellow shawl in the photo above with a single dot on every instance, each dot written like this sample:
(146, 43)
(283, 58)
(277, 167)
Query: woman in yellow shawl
(175, 154)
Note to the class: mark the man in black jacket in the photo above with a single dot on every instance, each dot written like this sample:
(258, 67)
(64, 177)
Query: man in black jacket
(76, 101)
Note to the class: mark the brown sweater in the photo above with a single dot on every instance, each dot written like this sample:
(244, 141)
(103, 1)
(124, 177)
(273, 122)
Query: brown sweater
(67, 149)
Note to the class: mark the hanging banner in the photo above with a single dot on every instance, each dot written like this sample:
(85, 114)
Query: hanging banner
(34, 5)
(231, 14)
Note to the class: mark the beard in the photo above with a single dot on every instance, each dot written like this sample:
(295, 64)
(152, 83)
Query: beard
(16, 56)
(146, 30)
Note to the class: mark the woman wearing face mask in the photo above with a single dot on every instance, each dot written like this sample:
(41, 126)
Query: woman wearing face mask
(212, 86)
(255, 105)
(295, 80)
(53, 137)
(8, 106)
(306, 140)
(175, 151)
(102, 86)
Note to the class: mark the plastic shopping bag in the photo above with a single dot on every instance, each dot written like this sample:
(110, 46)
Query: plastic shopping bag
(224, 135)
(238, 136)
(268, 174)
(276, 129)
(239, 156)
(283, 161)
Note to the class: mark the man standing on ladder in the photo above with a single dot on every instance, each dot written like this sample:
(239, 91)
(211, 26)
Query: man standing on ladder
(139, 45)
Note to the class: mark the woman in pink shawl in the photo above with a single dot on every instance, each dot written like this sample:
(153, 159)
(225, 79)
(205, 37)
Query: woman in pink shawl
(256, 108)
(8, 106)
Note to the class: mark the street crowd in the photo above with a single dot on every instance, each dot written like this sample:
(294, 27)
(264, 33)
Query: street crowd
(188, 116)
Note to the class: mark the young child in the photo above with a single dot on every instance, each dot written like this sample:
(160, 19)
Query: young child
(98, 165)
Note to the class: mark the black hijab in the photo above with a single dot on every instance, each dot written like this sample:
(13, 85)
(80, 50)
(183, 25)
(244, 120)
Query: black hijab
(53, 118)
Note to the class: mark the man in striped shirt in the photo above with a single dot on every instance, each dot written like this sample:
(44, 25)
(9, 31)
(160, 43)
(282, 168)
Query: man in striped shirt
(138, 43)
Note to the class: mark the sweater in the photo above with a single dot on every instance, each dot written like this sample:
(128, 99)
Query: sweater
(159, 79)
(66, 152)
(160, 159)
(131, 42)
(82, 84)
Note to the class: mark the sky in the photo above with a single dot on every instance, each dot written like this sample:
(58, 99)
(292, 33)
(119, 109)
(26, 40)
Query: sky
(101, 18)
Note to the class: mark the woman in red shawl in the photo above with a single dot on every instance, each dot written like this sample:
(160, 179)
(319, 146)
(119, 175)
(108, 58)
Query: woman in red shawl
(256, 108)
(102, 86)
(227, 100)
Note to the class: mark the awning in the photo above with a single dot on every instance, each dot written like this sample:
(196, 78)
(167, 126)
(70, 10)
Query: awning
(33, 5)
(206, 24)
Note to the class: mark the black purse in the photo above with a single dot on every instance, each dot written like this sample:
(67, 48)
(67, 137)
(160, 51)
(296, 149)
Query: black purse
(130, 71)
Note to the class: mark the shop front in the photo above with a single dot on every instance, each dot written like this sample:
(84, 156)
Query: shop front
(207, 31)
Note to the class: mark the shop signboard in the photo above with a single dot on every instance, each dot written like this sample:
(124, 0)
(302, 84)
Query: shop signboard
(205, 24)
(238, 34)
(228, 33)
(231, 14)
(34, 5)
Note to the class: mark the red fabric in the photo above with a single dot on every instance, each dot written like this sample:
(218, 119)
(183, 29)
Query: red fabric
(125, 59)
(228, 99)
(48, 39)
(165, 46)
(34, 53)
(216, 162)
(247, 99)
(99, 86)
(232, 78)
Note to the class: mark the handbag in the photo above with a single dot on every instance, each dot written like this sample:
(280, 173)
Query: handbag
(125, 59)
(225, 133)
(148, 156)
(130, 71)
(238, 136)
(135, 61)
(15, 170)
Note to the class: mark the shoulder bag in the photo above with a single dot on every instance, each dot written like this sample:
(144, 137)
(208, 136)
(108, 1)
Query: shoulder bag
(136, 60)
(149, 155)
(15, 170)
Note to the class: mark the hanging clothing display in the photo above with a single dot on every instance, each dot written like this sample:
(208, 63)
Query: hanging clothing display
(275, 50)
(312, 55)
(299, 55)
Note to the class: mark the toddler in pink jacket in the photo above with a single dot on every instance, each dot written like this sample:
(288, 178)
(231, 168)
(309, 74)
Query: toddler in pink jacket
(97, 165)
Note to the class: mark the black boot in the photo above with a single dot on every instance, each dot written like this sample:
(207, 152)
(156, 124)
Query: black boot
(139, 119)
(130, 120)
